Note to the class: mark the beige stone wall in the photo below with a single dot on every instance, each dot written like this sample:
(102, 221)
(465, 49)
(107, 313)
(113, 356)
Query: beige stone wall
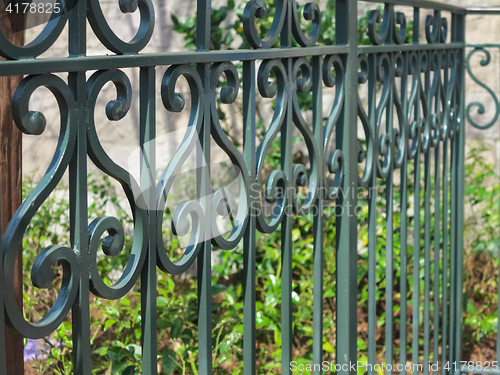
(122, 137)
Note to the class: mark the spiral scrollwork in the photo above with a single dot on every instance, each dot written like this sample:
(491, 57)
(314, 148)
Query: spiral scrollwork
(480, 106)
(228, 95)
(400, 134)
(436, 97)
(311, 13)
(257, 9)
(112, 244)
(108, 37)
(419, 127)
(436, 28)
(388, 29)
(335, 163)
(384, 147)
(180, 227)
(276, 183)
(336, 167)
(368, 154)
(175, 102)
(450, 89)
(302, 74)
(42, 275)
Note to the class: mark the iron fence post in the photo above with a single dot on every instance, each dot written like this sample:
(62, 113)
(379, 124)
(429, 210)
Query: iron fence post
(203, 33)
(319, 219)
(79, 229)
(149, 338)
(347, 222)
(249, 241)
(460, 181)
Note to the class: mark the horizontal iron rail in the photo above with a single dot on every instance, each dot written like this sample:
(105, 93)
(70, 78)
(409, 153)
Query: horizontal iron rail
(483, 10)
(490, 45)
(408, 47)
(65, 64)
(423, 4)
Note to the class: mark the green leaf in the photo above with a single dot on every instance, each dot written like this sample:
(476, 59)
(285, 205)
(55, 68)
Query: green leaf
(112, 312)
(174, 20)
(327, 346)
(109, 323)
(136, 350)
(161, 301)
(176, 328)
(130, 370)
(217, 289)
(168, 361)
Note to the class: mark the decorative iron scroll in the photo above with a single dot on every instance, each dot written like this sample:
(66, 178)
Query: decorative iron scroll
(480, 107)
(414, 108)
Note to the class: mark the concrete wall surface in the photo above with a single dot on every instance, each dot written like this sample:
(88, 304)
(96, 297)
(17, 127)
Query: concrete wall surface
(121, 138)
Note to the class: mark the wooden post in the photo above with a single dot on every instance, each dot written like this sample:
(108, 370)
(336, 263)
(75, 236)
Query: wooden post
(11, 178)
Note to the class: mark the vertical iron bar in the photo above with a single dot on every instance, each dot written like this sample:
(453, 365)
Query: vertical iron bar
(453, 246)
(148, 182)
(318, 224)
(459, 203)
(416, 245)
(372, 220)
(404, 228)
(286, 250)
(204, 187)
(78, 227)
(427, 230)
(437, 252)
(205, 256)
(389, 244)
(416, 25)
(77, 38)
(78, 195)
(444, 339)
(453, 216)
(286, 239)
(427, 258)
(203, 24)
(287, 223)
(416, 217)
(456, 226)
(249, 245)
(346, 13)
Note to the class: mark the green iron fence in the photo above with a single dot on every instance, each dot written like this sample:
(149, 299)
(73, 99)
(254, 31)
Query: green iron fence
(396, 120)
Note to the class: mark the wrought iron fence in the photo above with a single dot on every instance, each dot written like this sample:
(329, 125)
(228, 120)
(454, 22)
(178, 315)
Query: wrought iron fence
(408, 132)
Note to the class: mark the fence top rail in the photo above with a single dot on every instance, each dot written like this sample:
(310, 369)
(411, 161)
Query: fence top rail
(426, 4)
(483, 10)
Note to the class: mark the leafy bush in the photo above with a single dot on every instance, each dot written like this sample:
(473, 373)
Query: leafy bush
(116, 325)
